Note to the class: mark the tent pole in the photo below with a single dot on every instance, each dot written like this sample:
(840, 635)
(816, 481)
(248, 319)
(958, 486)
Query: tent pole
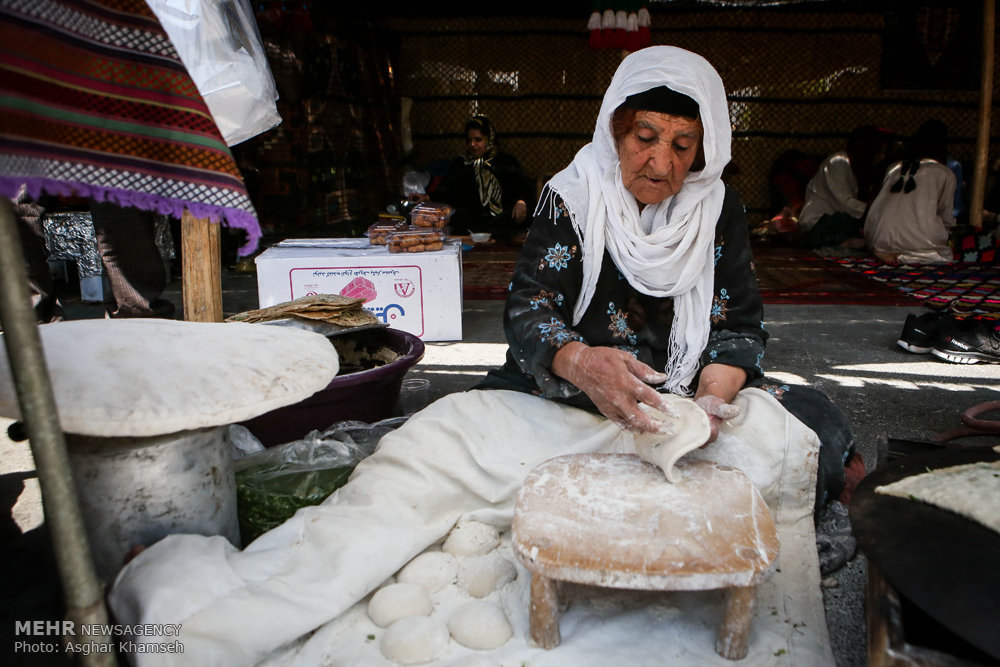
(985, 104)
(83, 591)
(201, 269)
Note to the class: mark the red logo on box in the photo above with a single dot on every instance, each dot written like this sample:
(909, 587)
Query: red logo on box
(404, 288)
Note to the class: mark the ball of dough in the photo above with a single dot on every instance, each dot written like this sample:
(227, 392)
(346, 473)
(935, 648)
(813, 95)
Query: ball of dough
(481, 575)
(471, 538)
(413, 640)
(480, 625)
(431, 570)
(395, 601)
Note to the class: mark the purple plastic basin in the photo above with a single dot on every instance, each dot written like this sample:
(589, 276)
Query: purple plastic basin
(363, 395)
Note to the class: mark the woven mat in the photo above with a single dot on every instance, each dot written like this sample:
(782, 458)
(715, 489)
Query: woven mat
(795, 276)
(486, 270)
(785, 275)
(964, 288)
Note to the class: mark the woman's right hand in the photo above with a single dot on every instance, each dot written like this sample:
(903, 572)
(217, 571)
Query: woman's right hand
(616, 382)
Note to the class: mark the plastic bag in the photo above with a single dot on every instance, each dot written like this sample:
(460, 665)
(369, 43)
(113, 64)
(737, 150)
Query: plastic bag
(272, 485)
(415, 183)
(220, 46)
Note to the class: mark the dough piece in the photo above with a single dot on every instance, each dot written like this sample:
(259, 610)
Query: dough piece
(149, 376)
(971, 490)
(480, 625)
(431, 570)
(395, 601)
(414, 640)
(471, 538)
(690, 431)
(481, 575)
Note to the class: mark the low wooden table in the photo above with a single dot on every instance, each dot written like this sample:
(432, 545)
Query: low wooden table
(613, 520)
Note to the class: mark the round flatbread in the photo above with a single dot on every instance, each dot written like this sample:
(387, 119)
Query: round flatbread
(142, 377)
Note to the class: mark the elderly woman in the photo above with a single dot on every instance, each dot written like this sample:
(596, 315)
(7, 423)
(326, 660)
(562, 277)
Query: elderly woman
(636, 279)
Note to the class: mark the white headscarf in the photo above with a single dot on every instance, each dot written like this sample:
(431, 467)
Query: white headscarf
(668, 249)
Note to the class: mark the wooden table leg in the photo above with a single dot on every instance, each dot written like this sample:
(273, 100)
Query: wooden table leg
(731, 641)
(543, 617)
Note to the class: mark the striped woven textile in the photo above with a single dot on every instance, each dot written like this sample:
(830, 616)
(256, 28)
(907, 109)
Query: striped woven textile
(95, 102)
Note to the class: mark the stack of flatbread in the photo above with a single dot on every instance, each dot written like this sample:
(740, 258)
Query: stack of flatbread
(333, 308)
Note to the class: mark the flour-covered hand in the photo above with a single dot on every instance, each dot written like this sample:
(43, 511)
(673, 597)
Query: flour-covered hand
(617, 383)
(717, 411)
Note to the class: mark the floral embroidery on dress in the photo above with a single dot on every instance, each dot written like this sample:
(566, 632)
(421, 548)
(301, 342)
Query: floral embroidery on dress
(775, 390)
(558, 257)
(555, 332)
(634, 351)
(619, 327)
(720, 305)
(547, 299)
(718, 253)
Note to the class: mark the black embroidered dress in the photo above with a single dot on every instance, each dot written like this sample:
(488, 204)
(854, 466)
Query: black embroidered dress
(548, 279)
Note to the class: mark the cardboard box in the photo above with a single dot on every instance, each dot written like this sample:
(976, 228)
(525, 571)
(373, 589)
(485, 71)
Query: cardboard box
(420, 293)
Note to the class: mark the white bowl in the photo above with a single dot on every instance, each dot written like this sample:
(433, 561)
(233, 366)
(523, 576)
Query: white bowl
(480, 237)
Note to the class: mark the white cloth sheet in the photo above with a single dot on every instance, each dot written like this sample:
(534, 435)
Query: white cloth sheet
(464, 457)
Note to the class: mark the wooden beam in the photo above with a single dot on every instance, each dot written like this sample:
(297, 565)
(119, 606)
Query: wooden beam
(201, 269)
(985, 104)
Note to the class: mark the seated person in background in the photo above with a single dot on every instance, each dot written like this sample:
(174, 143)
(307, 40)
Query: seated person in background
(789, 176)
(838, 195)
(486, 186)
(910, 220)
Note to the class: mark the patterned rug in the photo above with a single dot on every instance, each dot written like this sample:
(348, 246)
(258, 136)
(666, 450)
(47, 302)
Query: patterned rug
(795, 276)
(96, 103)
(784, 275)
(486, 270)
(963, 288)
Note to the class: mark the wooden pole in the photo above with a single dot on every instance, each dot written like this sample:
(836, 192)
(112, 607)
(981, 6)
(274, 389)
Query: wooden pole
(985, 104)
(82, 590)
(201, 269)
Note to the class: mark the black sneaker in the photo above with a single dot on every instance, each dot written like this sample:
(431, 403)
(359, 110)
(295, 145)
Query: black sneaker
(920, 333)
(969, 342)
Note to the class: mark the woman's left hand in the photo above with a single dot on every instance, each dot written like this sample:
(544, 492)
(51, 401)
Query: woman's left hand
(520, 211)
(717, 410)
(717, 387)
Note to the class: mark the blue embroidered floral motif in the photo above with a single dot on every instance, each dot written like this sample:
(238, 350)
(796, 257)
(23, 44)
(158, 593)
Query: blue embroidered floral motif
(760, 358)
(619, 327)
(718, 253)
(634, 351)
(554, 332)
(713, 355)
(558, 257)
(547, 299)
(775, 390)
(720, 305)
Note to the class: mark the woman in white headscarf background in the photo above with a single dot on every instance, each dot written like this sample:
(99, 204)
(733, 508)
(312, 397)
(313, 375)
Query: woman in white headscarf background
(635, 280)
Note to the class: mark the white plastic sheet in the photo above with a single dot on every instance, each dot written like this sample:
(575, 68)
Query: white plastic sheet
(220, 46)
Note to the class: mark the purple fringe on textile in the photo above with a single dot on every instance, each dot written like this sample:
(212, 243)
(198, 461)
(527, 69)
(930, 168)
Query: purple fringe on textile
(231, 217)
